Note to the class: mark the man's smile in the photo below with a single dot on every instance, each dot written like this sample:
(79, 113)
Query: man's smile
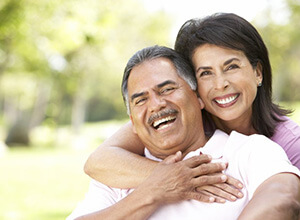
(163, 122)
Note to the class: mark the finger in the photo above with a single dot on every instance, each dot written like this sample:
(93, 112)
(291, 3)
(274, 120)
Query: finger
(208, 168)
(234, 182)
(173, 158)
(217, 198)
(217, 192)
(178, 156)
(205, 180)
(201, 197)
(197, 160)
(230, 189)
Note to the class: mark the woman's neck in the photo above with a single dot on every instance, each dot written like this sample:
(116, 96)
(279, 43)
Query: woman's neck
(241, 126)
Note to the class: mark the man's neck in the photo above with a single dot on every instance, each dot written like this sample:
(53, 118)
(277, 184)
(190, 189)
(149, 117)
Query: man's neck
(201, 141)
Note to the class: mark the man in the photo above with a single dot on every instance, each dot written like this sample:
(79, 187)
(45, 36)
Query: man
(166, 113)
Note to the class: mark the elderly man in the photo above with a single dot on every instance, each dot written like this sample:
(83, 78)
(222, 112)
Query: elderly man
(166, 113)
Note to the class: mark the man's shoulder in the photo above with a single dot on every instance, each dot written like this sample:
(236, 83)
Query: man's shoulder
(251, 142)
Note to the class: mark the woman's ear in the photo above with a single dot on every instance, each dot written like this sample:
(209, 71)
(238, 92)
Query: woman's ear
(259, 74)
(133, 127)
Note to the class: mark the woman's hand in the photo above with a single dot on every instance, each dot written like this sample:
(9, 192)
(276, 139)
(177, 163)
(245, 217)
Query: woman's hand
(229, 190)
(196, 178)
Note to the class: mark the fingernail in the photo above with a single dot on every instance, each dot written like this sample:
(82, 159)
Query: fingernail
(240, 185)
(240, 195)
(222, 200)
(223, 177)
(233, 198)
(211, 199)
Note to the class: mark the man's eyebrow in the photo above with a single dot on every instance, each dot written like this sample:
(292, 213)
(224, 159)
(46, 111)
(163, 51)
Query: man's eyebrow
(166, 83)
(136, 95)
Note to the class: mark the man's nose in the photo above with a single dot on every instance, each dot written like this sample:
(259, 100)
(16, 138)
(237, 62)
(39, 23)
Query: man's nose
(156, 103)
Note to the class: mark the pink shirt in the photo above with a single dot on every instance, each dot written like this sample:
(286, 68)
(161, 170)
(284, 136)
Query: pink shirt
(287, 135)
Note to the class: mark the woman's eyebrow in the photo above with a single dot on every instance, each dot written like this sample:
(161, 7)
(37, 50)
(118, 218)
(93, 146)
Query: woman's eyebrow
(230, 60)
(225, 63)
(204, 68)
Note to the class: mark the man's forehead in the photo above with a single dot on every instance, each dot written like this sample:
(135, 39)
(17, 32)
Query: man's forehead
(152, 73)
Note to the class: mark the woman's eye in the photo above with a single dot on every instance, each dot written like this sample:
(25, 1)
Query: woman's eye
(204, 73)
(232, 66)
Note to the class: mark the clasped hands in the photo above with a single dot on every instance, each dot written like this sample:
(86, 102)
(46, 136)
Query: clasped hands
(196, 178)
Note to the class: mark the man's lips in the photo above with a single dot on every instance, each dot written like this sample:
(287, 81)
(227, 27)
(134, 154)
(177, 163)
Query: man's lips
(227, 100)
(156, 124)
(162, 118)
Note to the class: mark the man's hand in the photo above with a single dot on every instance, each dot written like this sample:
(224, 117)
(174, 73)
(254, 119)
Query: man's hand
(174, 180)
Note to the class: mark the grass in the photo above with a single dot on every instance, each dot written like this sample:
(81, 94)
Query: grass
(41, 184)
(46, 181)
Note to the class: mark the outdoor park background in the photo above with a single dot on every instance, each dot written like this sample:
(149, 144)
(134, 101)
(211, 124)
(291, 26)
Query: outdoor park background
(61, 63)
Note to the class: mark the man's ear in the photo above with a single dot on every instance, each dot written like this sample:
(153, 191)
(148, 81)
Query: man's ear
(201, 103)
(259, 74)
(133, 127)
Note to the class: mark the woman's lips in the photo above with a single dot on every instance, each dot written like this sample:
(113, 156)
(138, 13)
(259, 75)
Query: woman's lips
(226, 101)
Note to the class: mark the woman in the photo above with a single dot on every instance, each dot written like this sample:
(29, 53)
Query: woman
(236, 105)
(249, 113)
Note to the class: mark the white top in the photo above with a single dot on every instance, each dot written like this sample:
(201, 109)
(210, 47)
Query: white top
(249, 161)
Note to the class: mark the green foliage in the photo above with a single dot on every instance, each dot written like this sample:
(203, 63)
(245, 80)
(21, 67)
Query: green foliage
(283, 42)
(77, 50)
(64, 59)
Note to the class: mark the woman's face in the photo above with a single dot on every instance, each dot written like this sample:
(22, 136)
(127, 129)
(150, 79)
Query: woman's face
(227, 83)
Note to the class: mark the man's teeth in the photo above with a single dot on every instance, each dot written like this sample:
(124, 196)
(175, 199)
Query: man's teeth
(226, 100)
(162, 120)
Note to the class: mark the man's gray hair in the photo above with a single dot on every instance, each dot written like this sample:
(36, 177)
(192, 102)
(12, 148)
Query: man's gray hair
(183, 68)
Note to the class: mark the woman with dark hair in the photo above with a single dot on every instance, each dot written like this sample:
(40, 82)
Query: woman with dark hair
(221, 32)
(234, 78)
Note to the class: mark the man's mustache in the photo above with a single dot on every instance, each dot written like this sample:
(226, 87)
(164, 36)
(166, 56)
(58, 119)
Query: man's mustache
(161, 114)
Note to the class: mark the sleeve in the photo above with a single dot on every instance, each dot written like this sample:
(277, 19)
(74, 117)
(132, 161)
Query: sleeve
(294, 151)
(287, 135)
(98, 197)
(265, 159)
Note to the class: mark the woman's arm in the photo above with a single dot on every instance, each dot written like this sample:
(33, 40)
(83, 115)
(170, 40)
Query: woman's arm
(119, 162)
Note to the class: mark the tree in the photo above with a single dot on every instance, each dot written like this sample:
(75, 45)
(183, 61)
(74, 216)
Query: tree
(64, 59)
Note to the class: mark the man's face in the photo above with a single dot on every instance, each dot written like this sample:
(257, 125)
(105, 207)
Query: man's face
(165, 112)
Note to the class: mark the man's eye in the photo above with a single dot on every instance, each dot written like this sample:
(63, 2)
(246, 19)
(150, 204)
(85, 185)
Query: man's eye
(167, 90)
(140, 101)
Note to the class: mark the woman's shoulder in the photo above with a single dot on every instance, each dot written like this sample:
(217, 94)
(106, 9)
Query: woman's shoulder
(287, 127)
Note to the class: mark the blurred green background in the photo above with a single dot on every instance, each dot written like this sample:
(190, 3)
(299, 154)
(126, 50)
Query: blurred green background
(61, 63)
